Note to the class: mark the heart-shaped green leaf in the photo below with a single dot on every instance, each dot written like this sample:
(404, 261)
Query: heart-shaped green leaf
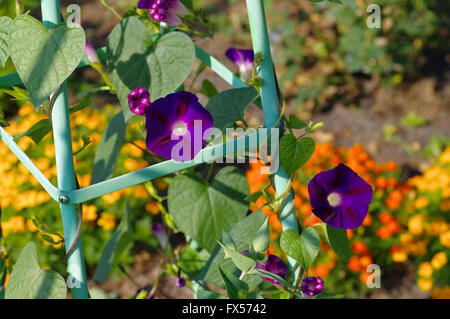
(135, 61)
(303, 248)
(29, 281)
(229, 106)
(203, 211)
(43, 58)
(5, 29)
(293, 153)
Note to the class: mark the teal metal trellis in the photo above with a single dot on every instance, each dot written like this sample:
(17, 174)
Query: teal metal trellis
(69, 196)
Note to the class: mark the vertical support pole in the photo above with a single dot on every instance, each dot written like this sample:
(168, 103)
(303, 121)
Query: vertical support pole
(65, 168)
(269, 99)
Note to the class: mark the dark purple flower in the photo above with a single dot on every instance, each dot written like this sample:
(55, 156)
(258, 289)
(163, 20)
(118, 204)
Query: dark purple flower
(139, 101)
(168, 11)
(159, 230)
(176, 126)
(180, 282)
(244, 59)
(274, 265)
(340, 197)
(312, 286)
(91, 53)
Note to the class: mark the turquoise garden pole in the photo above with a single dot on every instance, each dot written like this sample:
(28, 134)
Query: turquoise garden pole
(269, 99)
(65, 168)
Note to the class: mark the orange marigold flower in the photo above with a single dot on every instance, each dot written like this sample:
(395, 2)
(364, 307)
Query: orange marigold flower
(385, 217)
(383, 232)
(380, 182)
(359, 247)
(365, 261)
(322, 271)
(390, 166)
(354, 264)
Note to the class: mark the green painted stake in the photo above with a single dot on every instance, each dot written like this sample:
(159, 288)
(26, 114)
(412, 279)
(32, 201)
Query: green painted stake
(269, 99)
(65, 169)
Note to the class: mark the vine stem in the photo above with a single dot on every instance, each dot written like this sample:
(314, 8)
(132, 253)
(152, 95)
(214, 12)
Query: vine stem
(111, 8)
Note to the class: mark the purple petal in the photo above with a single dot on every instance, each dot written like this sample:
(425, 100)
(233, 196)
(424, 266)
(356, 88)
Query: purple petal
(180, 108)
(139, 101)
(312, 286)
(353, 192)
(145, 4)
(274, 265)
(91, 53)
(159, 230)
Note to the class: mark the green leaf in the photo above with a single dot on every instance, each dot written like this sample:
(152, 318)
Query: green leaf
(18, 94)
(254, 197)
(5, 30)
(413, 120)
(232, 283)
(29, 281)
(242, 233)
(43, 58)
(338, 241)
(208, 89)
(293, 153)
(37, 132)
(120, 241)
(79, 106)
(217, 206)
(191, 261)
(229, 106)
(244, 263)
(295, 123)
(303, 248)
(135, 62)
(261, 241)
(108, 149)
(227, 240)
(206, 294)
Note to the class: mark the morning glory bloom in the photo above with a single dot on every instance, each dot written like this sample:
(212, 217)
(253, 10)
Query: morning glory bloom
(159, 230)
(180, 282)
(311, 286)
(274, 265)
(176, 126)
(168, 11)
(139, 101)
(340, 197)
(244, 59)
(91, 53)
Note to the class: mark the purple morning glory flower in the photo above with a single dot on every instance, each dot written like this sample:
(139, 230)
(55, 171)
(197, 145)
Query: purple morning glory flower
(180, 282)
(139, 101)
(159, 230)
(176, 126)
(274, 265)
(311, 286)
(244, 59)
(91, 53)
(340, 197)
(168, 11)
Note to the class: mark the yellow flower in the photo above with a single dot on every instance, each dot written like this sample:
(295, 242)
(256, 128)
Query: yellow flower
(436, 227)
(421, 202)
(425, 284)
(444, 238)
(445, 205)
(419, 248)
(31, 226)
(107, 221)
(445, 156)
(443, 293)
(111, 198)
(439, 260)
(15, 224)
(406, 238)
(425, 270)
(415, 224)
(89, 213)
(399, 256)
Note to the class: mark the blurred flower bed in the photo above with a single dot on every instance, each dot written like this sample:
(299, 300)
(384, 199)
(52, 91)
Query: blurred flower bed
(408, 220)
